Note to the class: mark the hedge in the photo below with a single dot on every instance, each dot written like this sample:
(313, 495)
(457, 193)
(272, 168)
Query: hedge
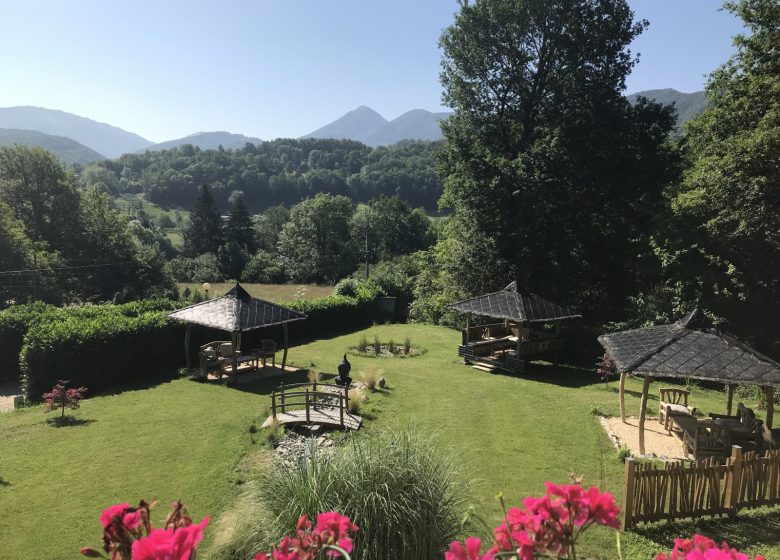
(100, 352)
(14, 324)
(103, 347)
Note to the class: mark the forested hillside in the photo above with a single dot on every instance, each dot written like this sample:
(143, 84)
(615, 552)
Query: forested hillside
(283, 171)
(67, 151)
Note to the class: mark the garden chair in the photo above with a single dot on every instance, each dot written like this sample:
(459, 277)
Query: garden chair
(744, 428)
(267, 350)
(673, 402)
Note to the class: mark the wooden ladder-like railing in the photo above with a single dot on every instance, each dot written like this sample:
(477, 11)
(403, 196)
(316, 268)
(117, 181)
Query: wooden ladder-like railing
(312, 397)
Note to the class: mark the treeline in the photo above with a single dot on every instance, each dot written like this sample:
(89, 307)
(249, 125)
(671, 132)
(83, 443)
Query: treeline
(321, 239)
(64, 244)
(283, 171)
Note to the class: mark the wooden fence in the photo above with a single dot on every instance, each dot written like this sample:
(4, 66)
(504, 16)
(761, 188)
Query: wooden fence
(681, 490)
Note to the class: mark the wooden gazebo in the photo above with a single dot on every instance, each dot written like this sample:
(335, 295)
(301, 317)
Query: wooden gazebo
(236, 312)
(689, 348)
(521, 334)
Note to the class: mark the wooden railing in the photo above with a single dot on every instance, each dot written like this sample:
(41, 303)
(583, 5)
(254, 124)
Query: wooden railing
(679, 490)
(310, 397)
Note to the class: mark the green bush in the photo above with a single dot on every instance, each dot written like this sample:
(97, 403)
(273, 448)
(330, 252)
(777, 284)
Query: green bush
(333, 314)
(400, 488)
(203, 268)
(264, 269)
(99, 349)
(346, 287)
(14, 324)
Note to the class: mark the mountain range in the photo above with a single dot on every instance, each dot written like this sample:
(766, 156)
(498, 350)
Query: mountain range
(93, 140)
(366, 125)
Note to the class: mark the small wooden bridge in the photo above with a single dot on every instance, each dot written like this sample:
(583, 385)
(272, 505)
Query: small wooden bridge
(312, 403)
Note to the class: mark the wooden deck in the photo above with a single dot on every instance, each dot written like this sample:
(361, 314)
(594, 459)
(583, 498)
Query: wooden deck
(325, 417)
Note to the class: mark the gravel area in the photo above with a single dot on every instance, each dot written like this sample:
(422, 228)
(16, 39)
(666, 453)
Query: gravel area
(658, 443)
(8, 390)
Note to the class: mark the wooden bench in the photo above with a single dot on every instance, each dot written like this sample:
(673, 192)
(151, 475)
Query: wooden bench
(673, 402)
(744, 428)
(702, 442)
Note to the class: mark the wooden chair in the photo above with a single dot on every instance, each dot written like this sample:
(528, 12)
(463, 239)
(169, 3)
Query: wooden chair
(702, 443)
(209, 358)
(267, 350)
(673, 402)
(744, 428)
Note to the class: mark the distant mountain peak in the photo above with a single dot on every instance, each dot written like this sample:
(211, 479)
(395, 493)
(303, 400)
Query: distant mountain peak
(101, 137)
(207, 141)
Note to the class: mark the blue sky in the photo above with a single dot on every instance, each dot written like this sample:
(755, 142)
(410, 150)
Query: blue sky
(271, 68)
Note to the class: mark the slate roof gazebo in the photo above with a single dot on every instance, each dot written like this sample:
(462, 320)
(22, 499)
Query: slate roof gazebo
(506, 345)
(689, 348)
(236, 312)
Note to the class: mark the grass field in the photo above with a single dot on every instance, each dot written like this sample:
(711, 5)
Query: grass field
(183, 439)
(270, 292)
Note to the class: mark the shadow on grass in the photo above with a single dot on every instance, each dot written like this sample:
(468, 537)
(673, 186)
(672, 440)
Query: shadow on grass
(561, 375)
(4, 482)
(748, 529)
(68, 421)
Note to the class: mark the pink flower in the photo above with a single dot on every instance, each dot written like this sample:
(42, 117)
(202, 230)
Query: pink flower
(471, 552)
(332, 529)
(170, 544)
(703, 548)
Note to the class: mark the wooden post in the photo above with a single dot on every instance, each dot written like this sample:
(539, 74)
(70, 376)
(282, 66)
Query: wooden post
(729, 397)
(284, 355)
(628, 495)
(733, 480)
(315, 395)
(468, 327)
(643, 413)
(346, 397)
(234, 342)
(623, 376)
(770, 405)
(281, 394)
(341, 411)
(187, 337)
(308, 418)
(273, 405)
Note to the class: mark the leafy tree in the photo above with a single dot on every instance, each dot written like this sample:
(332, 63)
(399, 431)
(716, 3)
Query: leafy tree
(547, 165)
(204, 231)
(239, 226)
(203, 268)
(314, 244)
(232, 259)
(268, 225)
(61, 397)
(721, 247)
(40, 194)
(263, 267)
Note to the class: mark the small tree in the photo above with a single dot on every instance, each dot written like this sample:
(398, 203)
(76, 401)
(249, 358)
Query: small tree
(61, 397)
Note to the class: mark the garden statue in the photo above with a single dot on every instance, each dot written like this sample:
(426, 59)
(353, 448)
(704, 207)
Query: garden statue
(344, 368)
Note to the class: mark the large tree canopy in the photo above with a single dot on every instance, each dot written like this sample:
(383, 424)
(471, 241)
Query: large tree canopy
(546, 162)
(721, 248)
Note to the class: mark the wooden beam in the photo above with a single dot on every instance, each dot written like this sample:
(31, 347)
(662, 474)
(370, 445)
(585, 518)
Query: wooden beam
(622, 392)
(468, 326)
(770, 405)
(284, 355)
(729, 397)
(187, 337)
(643, 414)
(234, 341)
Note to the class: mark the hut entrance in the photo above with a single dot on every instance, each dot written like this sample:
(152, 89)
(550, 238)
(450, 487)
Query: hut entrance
(529, 327)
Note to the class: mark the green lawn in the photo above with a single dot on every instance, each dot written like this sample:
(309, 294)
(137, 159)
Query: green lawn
(186, 440)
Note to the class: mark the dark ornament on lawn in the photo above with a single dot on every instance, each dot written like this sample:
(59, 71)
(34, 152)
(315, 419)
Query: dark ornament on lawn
(344, 368)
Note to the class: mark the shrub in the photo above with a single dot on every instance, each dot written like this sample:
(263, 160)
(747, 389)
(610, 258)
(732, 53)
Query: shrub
(14, 324)
(347, 287)
(377, 345)
(274, 433)
(203, 268)
(400, 488)
(314, 375)
(362, 344)
(370, 377)
(101, 347)
(391, 346)
(264, 269)
(62, 398)
(623, 453)
(407, 345)
(356, 398)
(333, 314)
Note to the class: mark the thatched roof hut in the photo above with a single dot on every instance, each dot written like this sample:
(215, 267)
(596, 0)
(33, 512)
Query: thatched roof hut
(690, 348)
